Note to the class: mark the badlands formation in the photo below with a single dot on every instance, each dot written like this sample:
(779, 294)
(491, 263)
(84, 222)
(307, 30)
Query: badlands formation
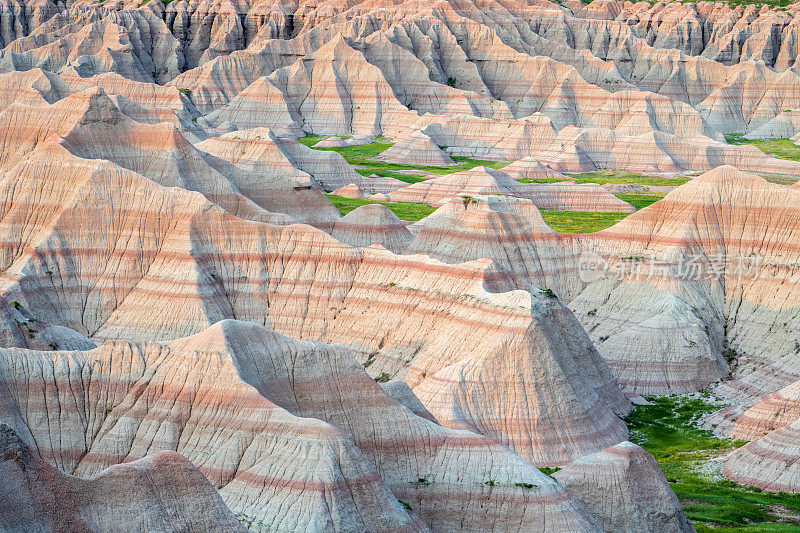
(292, 266)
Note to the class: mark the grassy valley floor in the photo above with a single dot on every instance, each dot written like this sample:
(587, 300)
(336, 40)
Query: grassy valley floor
(670, 431)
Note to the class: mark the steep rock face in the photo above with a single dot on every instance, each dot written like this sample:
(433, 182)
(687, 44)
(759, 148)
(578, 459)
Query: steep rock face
(507, 229)
(624, 488)
(773, 411)
(659, 291)
(637, 87)
(260, 105)
(89, 126)
(771, 462)
(147, 398)
(416, 149)
(172, 264)
(163, 491)
(261, 150)
(190, 393)
(419, 460)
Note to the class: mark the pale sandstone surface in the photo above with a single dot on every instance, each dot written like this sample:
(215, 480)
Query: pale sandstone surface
(658, 318)
(643, 89)
(149, 188)
(261, 150)
(372, 224)
(162, 491)
(624, 488)
(173, 264)
(229, 399)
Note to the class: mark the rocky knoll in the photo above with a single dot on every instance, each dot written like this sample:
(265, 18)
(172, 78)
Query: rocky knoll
(230, 399)
(172, 263)
(663, 290)
(577, 90)
(163, 491)
(625, 489)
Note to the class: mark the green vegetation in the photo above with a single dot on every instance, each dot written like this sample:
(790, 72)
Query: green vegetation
(405, 505)
(580, 221)
(780, 148)
(403, 210)
(184, 91)
(549, 471)
(639, 199)
(364, 158)
(614, 176)
(669, 430)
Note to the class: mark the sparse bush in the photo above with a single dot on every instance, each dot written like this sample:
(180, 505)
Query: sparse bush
(383, 378)
(549, 293)
(405, 505)
(451, 82)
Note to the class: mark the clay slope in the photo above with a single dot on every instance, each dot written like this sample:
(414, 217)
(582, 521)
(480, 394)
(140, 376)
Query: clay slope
(416, 149)
(172, 264)
(771, 462)
(774, 411)
(261, 150)
(274, 470)
(707, 269)
(163, 491)
(372, 224)
(90, 126)
(559, 83)
(148, 398)
(625, 489)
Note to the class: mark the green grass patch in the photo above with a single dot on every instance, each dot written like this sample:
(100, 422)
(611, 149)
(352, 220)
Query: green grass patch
(408, 178)
(639, 199)
(614, 176)
(580, 221)
(403, 210)
(669, 430)
(366, 156)
(780, 148)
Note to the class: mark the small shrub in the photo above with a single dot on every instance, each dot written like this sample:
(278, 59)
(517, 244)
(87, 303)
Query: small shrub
(383, 378)
(451, 82)
(525, 485)
(549, 293)
(549, 471)
(405, 505)
(184, 91)
(491, 483)
(15, 304)
(422, 481)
